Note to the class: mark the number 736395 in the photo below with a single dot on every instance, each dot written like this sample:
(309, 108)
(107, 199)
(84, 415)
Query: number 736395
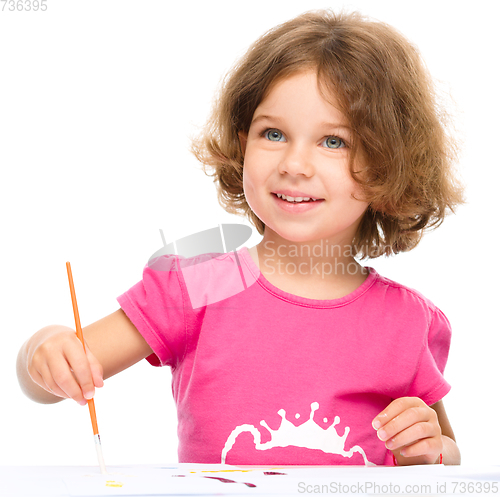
(474, 487)
(23, 5)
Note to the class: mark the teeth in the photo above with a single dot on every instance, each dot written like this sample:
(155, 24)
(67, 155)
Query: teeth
(295, 199)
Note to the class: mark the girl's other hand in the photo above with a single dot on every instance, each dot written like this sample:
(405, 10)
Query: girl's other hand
(410, 428)
(58, 363)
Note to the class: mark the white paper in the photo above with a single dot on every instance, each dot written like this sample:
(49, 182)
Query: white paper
(217, 479)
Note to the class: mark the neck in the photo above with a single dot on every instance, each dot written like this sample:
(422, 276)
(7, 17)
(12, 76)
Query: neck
(323, 259)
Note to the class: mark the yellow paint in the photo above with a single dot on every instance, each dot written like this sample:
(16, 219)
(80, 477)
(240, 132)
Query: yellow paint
(111, 483)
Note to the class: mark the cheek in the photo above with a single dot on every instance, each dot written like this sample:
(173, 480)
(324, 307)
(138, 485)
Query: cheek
(356, 191)
(249, 183)
(342, 181)
(253, 190)
(253, 172)
(356, 196)
(338, 179)
(344, 190)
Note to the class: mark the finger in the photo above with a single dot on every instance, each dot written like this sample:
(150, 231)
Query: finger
(37, 377)
(403, 421)
(51, 385)
(395, 408)
(64, 379)
(55, 388)
(411, 435)
(81, 370)
(96, 369)
(429, 448)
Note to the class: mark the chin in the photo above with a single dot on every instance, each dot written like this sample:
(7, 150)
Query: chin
(292, 235)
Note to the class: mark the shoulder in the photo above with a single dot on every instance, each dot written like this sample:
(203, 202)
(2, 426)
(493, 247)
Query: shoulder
(162, 258)
(416, 314)
(402, 293)
(214, 263)
(406, 301)
(211, 277)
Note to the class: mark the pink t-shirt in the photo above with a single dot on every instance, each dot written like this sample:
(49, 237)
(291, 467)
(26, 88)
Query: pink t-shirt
(261, 376)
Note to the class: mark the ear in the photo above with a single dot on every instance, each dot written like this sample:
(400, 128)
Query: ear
(243, 136)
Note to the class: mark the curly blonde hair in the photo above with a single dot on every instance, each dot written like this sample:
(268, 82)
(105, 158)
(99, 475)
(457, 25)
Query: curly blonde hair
(388, 96)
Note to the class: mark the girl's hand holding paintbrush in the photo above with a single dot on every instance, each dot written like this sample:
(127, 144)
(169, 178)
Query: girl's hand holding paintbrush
(57, 362)
(52, 364)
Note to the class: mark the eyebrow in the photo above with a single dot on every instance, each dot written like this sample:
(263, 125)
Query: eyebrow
(324, 124)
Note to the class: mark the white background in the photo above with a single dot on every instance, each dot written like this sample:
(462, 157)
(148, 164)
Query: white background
(98, 100)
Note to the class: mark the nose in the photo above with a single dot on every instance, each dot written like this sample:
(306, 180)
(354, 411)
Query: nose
(296, 160)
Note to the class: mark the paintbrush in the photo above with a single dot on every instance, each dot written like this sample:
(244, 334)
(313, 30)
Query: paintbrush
(90, 403)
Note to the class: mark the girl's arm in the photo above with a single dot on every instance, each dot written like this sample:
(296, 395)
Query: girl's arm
(52, 365)
(420, 431)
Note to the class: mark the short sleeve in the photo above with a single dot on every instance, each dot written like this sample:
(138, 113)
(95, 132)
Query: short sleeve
(429, 383)
(155, 305)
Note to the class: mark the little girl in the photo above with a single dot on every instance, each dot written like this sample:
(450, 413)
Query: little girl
(326, 135)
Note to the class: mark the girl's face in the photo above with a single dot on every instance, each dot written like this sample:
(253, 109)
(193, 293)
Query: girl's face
(300, 143)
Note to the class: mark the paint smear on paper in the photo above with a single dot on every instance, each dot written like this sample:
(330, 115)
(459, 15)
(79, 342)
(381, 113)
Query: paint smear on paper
(112, 483)
(226, 480)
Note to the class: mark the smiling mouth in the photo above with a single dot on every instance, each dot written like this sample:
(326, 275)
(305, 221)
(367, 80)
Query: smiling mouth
(281, 197)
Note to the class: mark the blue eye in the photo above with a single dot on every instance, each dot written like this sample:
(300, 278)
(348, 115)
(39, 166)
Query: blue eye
(274, 135)
(334, 142)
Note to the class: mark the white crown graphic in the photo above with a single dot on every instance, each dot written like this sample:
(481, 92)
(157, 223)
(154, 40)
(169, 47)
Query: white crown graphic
(308, 435)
